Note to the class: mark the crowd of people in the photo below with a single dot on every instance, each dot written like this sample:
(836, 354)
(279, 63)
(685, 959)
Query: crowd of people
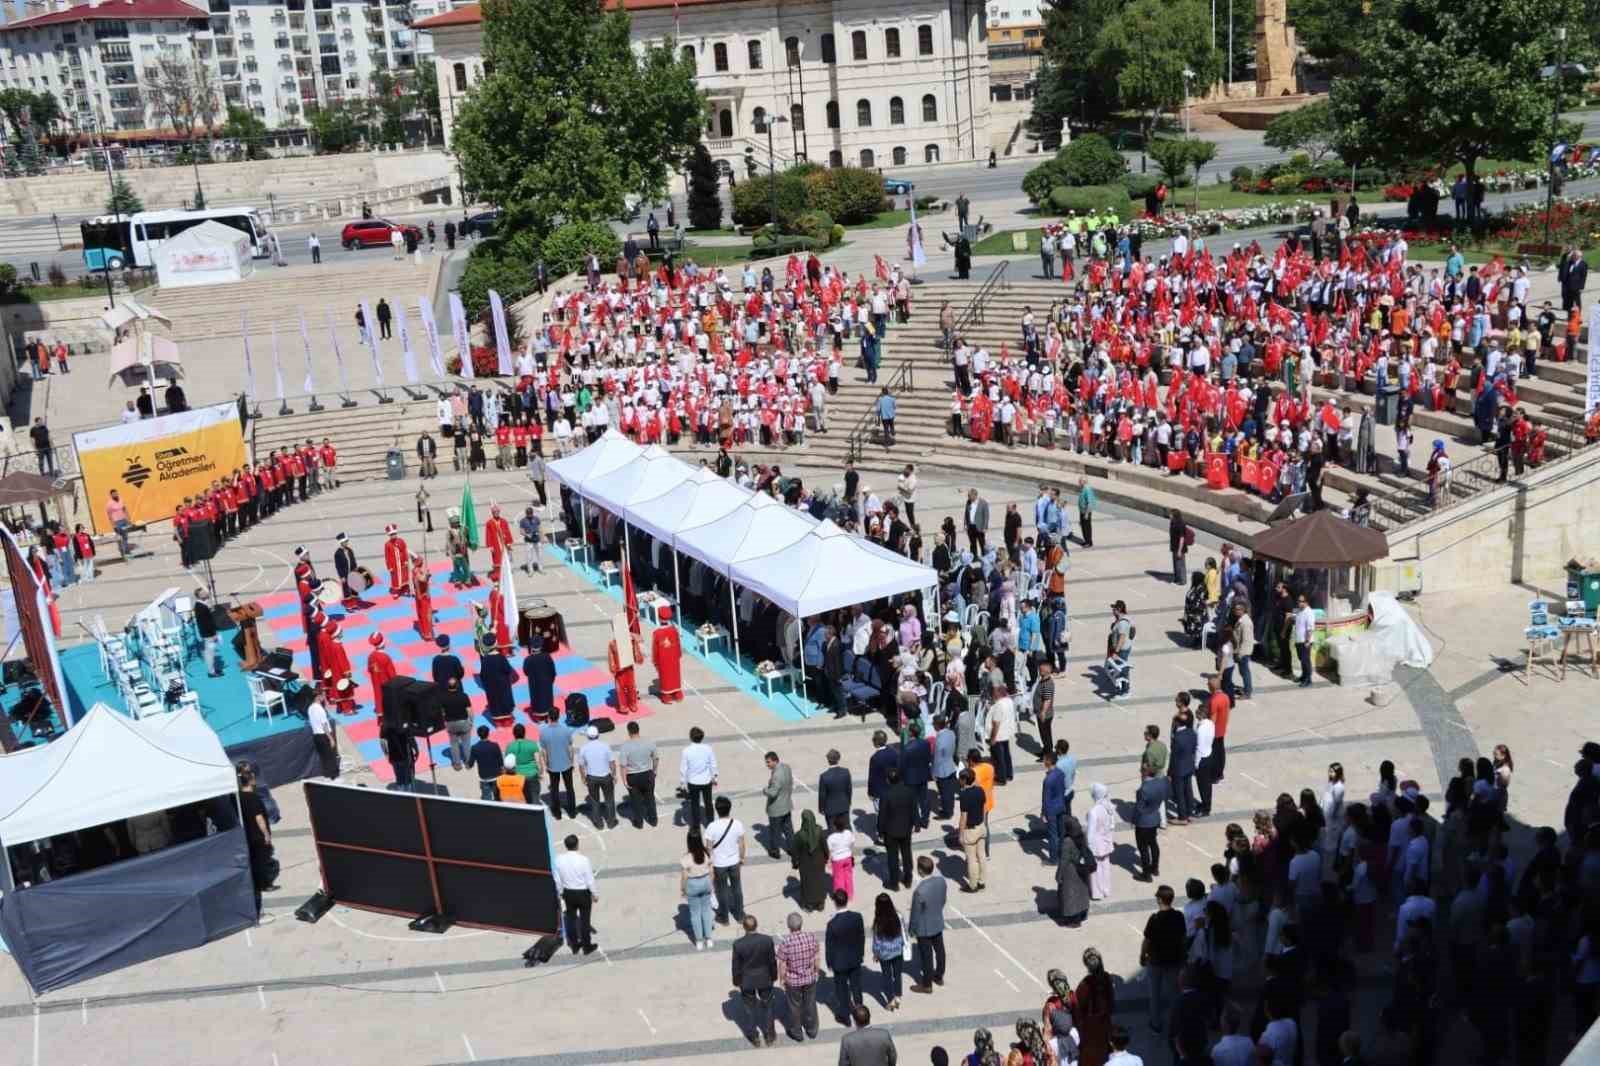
(1210, 365)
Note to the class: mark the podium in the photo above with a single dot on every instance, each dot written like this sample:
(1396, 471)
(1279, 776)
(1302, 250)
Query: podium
(244, 616)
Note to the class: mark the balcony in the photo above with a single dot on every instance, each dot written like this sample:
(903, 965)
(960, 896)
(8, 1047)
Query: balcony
(302, 44)
(231, 94)
(344, 14)
(228, 71)
(242, 16)
(327, 42)
(279, 16)
(247, 39)
(297, 23)
(225, 50)
(290, 82)
(115, 54)
(250, 65)
(219, 25)
(324, 23)
(281, 41)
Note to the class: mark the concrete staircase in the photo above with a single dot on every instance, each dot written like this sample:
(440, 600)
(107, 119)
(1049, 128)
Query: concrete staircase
(276, 297)
(362, 435)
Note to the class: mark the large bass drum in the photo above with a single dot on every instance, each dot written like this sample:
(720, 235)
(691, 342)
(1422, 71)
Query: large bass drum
(545, 623)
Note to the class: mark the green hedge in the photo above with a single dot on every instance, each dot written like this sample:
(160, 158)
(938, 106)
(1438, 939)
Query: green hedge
(752, 199)
(1092, 200)
(817, 225)
(1088, 160)
(565, 248)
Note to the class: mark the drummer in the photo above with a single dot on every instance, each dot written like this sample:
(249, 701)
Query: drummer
(345, 565)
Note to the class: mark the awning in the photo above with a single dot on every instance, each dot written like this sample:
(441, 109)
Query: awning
(610, 452)
(760, 526)
(128, 366)
(655, 471)
(131, 310)
(21, 487)
(827, 569)
(1321, 538)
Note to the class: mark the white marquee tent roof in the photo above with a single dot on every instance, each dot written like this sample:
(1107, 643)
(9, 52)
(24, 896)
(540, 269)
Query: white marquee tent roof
(827, 569)
(108, 767)
(655, 471)
(611, 452)
(760, 526)
(702, 497)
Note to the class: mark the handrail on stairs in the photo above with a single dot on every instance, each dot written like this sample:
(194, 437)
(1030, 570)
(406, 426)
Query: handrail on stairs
(902, 380)
(972, 314)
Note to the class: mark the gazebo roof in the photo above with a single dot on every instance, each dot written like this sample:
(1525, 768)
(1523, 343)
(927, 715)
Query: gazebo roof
(22, 487)
(1321, 538)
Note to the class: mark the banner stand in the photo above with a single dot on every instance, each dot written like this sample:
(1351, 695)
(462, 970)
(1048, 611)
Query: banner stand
(382, 395)
(314, 406)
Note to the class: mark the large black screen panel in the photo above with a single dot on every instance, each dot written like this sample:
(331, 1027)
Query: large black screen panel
(477, 895)
(386, 882)
(502, 834)
(364, 817)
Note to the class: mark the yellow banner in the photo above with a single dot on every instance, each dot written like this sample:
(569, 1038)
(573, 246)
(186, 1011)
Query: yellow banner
(154, 463)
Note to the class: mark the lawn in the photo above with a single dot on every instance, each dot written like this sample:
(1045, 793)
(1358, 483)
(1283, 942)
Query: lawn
(884, 220)
(1224, 197)
(36, 294)
(1485, 252)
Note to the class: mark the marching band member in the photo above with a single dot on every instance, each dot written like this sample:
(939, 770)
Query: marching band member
(397, 559)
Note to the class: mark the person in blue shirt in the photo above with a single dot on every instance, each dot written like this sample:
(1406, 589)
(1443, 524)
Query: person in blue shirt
(1027, 634)
(486, 757)
(1052, 807)
(885, 410)
(944, 765)
(555, 749)
(1086, 502)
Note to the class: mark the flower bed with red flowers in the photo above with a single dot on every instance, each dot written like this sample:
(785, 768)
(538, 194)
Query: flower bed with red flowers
(485, 362)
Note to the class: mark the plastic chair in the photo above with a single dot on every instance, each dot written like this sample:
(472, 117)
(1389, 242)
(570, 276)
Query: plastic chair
(264, 699)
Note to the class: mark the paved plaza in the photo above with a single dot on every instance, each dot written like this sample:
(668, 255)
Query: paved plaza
(359, 988)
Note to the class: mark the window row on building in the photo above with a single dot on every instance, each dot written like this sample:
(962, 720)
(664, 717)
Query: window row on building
(860, 52)
(724, 124)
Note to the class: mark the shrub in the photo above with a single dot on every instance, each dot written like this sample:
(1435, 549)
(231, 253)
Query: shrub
(1140, 185)
(1287, 183)
(1092, 200)
(855, 195)
(1300, 161)
(57, 276)
(815, 225)
(705, 203)
(510, 277)
(836, 235)
(8, 278)
(566, 246)
(925, 202)
(1370, 177)
(752, 199)
(1088, 160)
(1241, 176)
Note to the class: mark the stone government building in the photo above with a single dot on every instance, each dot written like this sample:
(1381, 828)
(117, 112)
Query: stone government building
(860, 83)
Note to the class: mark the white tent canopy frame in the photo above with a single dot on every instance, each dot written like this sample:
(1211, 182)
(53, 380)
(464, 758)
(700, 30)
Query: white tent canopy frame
(787, 557)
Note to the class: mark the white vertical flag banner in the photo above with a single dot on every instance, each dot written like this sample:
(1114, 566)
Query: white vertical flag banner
(309, 384)
(1592, 392)
(249, 366)
(914, 237)
(502, 342)
(338, 357)
(277, 367)
(410, 357)
(458, 325)
(430, 330)
(369, 337)
(508, 598)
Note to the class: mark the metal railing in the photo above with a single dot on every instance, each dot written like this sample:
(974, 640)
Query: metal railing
(972, 314)
(902, 380)
(26, 460)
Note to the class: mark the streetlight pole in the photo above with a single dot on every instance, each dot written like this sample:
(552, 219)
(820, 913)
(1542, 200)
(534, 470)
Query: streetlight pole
(772, 169)
(1555, 125)
(199, 193)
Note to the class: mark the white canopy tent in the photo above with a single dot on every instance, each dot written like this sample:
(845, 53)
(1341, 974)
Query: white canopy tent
(827, 569)
(654, 471)
(760, 526)
(611, 452)
(109, 767)
(208, 254)
(700, 498)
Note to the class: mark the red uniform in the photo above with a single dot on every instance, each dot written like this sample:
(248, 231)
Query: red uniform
(424, 598)
(497, 537)
(336, 661)
(627, 689)
(380, 668)
(397, 558)
(497, 617)
(667, 656)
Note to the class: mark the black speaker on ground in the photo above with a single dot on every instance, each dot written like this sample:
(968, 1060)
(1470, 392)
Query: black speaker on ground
(413, 705)
(201, 542)
(577, 707)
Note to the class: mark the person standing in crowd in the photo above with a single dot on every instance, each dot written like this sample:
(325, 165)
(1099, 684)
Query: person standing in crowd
(1305, 628)
(697, 772)
(845, 941)
(488, 759)
(599, 778)
(866, 1044)
(1147, 807)
(574, 877)
(834, 790)
(779, 795)
(927, 925)
(897, 816)
(637, 765)
(323, 737)
(970, 829)
(798, 971)
(1179, 538)
(1002, 731)
(694, 885)
(556, 742)
(755, 975)
(1086, 506)
(257, 836)
(726, 838)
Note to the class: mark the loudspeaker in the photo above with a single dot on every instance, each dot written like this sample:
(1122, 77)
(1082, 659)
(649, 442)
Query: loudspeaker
(202, 543)
(413, 705)
(314, 908)
(603, 725)
(577, 707)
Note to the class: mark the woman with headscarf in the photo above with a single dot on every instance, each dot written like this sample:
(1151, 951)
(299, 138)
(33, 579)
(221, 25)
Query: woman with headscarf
(1091, 1011)
(1056, 1019)
(1102, 823)
(808, 854)
(1030, 1048)
(983, 1052)
(1072, 894)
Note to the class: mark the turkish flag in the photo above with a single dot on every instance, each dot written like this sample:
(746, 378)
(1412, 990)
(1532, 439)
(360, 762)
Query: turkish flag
(1177, 459)
(1216, 470)
(1267, 477)
(1250, 472)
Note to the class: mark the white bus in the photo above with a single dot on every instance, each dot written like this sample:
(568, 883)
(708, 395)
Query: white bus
(113, 242)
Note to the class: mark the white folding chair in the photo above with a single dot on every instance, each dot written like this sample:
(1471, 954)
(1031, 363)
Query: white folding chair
(264, 699)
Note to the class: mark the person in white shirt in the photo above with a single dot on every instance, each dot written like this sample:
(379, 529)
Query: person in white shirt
(1205, 732)
(599, 765)
(697, 772)
(1305, 625)
(1002, 721)
(1279, 1040)
(574, 877)
(725, 839)
(1234, 1049)
(322, 737)
(1120, 1055)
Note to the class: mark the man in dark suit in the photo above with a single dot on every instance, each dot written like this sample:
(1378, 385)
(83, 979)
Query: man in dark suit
(540, 670)
(1573, 273)
(897, 817)
(927, 924)
(916, 770)
(833, 671)
(844, 951)
(833, 790)
(755, 973)
(1147, 804)
(885, 757)
(976, 519)
(445, 665)
(1180, 769)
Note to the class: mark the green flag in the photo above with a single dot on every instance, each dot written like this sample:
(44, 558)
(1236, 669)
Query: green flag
(469, 515)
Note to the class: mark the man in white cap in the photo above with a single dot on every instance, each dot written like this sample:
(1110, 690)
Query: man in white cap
(599, 766)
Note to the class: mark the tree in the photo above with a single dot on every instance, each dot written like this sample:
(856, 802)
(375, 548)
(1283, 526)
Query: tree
(571, 120)
(1070, 85)
(1330, 30)
(172, 91)
(1150, 44)
(391, 101)
(207, 98)
(427, 101)
(1469, 94)
(24, 109)
(244, 126)
(1088, 160)
(1309, 129)
(123, 200)
(705, 202)
(335, 128)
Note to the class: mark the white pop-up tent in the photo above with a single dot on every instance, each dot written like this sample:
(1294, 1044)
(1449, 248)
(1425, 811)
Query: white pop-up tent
(105, 769)
(760, 526)
(700, 498)
(611, 452)
(827, 569)
(654, 471)
(208, 254)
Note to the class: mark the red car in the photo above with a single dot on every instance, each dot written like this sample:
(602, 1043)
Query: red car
(374, 233)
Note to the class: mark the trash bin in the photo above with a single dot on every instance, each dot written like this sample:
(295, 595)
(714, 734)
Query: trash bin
(1387, 405)
(1583, 583)
(396, 462)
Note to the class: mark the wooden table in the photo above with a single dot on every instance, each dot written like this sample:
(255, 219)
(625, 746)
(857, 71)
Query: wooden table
(1583, 637)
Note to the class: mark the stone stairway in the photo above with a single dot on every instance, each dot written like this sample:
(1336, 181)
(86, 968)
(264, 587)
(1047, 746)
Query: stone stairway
(276, 297)
(362, 435)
